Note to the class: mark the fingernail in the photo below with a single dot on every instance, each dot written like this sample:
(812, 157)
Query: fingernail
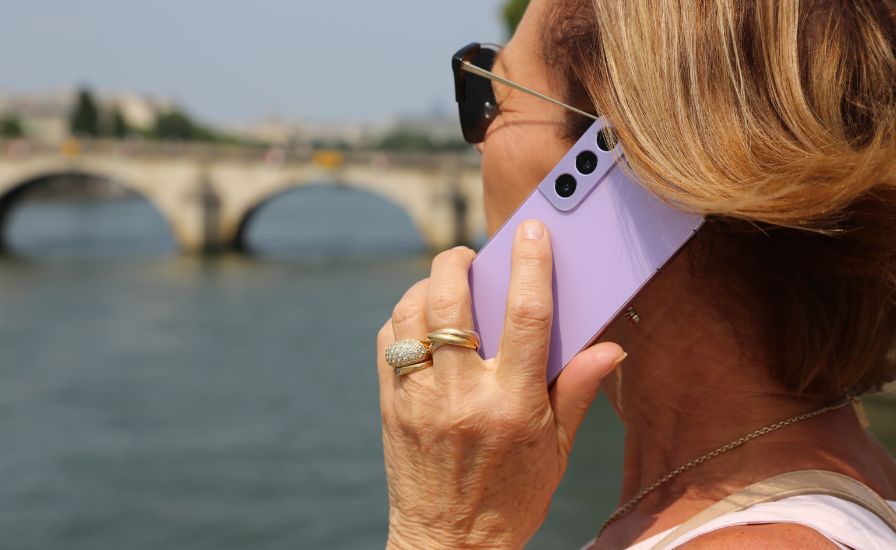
(620, 360)
(533, 230)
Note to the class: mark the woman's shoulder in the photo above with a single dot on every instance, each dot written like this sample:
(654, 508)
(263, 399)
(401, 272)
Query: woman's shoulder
(773, 536)
(803, 521)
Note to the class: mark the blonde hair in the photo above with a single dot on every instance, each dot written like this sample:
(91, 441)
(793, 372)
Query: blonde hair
(778, 113)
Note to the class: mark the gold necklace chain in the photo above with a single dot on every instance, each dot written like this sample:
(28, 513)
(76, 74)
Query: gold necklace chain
(627, 507)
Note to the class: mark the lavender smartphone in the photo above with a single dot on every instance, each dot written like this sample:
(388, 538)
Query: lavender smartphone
(609, 237)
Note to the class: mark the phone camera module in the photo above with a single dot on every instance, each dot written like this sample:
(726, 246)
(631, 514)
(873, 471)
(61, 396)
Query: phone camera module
(565, 186)
(586, 162)
(605, 140)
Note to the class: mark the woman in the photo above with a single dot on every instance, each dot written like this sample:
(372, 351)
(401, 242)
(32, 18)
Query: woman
(776, 119)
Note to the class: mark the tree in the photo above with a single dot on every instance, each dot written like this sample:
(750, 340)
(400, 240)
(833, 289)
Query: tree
(175, 124)
(118, 125)
(513, 11)
(11, 126)
(407, 141)
(416, 141)
(85, 118)
(178, 125)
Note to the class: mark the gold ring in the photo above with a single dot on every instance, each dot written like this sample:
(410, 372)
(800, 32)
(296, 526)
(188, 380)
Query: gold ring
(403, 353)
(408, 369)
(454, 337)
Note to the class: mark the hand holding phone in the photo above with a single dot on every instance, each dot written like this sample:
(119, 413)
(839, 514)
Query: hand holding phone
(609, 237)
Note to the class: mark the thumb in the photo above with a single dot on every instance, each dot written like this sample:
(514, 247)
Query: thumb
(577, 385)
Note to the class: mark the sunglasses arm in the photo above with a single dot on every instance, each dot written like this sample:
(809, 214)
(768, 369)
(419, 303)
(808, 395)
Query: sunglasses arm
(470, 68)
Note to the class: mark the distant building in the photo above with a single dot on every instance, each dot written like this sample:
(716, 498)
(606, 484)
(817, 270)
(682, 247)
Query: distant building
(303, 135)
(439, 127)
(45, 116)
(139, 111)
(273, 130)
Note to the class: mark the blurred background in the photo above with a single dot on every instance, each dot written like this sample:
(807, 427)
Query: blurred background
(207, 209)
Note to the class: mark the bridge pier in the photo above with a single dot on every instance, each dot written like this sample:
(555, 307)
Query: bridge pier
(446, 223)
(460, 207)
(209, 204)
(195, 217)
(464, 201)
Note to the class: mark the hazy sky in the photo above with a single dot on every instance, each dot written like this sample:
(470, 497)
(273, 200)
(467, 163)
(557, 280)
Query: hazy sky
(233, 61)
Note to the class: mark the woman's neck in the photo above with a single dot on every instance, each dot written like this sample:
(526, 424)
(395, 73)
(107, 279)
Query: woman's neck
(694, 381)
(689, 388)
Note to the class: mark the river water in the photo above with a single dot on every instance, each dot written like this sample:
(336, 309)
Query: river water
(150, 400)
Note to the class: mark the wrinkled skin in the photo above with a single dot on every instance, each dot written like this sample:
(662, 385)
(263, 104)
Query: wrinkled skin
(475, 449)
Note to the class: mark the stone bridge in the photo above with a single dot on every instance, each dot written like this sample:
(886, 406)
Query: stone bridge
(209, 194)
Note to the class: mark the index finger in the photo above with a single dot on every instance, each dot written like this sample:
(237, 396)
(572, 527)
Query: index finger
(525, 342)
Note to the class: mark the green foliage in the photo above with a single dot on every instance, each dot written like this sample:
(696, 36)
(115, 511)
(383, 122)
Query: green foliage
(177, 125)
(406, 141)
(11, 126)
(118, 126)
(85, 118)
(88, 120)
(513, 11)
(882, 413)
(402, 140)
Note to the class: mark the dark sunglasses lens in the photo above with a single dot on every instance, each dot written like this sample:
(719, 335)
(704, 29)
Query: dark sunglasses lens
(477, 107)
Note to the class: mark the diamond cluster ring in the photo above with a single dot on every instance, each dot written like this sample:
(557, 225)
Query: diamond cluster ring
(409, 355)
(403, 353)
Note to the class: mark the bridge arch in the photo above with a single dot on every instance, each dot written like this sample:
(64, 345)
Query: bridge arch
(252, 211)
(204, 197)
(15, 187)
(436, 206)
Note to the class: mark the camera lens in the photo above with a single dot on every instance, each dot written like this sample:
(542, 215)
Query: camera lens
(605, 140)
(565, 186)
(586, 162)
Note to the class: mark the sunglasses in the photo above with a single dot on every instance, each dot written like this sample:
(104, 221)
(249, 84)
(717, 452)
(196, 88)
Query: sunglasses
(475, 96)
